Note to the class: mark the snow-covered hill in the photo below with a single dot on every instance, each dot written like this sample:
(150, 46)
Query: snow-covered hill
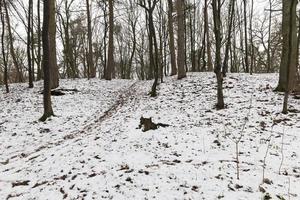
(93, 149)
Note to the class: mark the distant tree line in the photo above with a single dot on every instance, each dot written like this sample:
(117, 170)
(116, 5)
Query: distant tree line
(147, 39)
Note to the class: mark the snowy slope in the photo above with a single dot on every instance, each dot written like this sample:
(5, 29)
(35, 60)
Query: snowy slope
(93, 148)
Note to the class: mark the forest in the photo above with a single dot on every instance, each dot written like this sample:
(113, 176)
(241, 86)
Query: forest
(149, 99)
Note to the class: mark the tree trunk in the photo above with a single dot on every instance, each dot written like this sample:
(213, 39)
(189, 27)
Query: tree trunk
(269, 39)
(209, 56)
(246, 37)
(202, 52)
(39, 54)
(90, 63)
(110, 61)
(29, 44)
(155, 59)
(288, 44)
(289, 58)
(3, 49)
(217, 29)
(32, 43)
(251, 39)
(171, 38)
(104, 40)
(229, 35)
(180, 39)
(192, 36)
(298, 64)
(48, 111)
(133, 22)
(54, 81)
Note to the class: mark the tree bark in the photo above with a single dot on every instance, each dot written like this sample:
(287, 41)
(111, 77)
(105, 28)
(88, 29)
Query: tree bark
(246, 37)
(54, 82)
(90, 63)
(110, 61)
(180, 39)
(251, 39)
(209, 56)
(171, 38)
(39, 53)
(229, 35)
(3, 49)
(192, 25)
(217, 30)
(288, 45)
(289, 58)
(269, 65)
(29, 44)
(48, 111)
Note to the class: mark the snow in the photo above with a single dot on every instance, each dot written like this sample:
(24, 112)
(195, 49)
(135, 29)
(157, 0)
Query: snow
(93, 149)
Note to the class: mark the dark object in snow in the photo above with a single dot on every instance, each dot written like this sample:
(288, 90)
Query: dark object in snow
(296, 96)
(124, 167)
(267, 181)
(63, 177)
(143, 172)
(280, 197)
(128, 179)
(68, 90)
(39, 184)
(20, 183)
(65, 195)
(195, 188)
(217, 142)
(147, 124)
(44, 130)
(61, 92)
(4, 162)
(92, 175)
(267, 197)
(261, 189)
(237, 186)
(57, 93)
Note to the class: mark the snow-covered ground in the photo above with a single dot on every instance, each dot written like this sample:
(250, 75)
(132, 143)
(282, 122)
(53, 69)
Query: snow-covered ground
(93, 149)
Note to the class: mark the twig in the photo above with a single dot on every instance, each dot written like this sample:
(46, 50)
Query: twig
(289, 193)
(237, 161)
(282, 155)
(266, 155)
(203, 145)
(238, 139)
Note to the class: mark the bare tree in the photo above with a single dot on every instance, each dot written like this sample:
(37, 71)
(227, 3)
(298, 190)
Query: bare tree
(153, 49)
(231, 12)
